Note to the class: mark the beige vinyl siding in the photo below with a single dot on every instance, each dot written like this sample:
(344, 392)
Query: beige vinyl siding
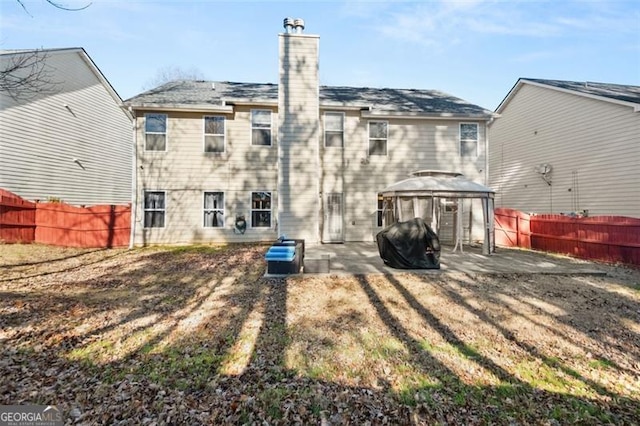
(412, 145)
(40, 138)
(299, 138)
(185, 171)
(595, 141)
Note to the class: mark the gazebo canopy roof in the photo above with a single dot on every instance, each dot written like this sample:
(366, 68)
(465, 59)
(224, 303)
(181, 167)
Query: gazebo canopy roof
(437, 183)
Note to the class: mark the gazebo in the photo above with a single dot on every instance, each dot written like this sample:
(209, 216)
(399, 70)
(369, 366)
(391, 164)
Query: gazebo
(428, 194)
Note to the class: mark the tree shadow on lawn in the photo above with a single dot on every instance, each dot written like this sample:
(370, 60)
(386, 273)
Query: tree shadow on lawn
(573, 306)
(197, 337)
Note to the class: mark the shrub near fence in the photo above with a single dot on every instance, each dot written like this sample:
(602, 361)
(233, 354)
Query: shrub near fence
(607, 238)
(63, 225)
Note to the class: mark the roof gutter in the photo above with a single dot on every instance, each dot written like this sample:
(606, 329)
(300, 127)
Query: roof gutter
(343, 107)
(250, 103)
(181, 107)
(422, 116)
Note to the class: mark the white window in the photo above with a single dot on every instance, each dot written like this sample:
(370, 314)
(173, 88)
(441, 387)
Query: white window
(334, 129)
(261, 209)
(154, 209)
(213, 133)
(214, 209)
(155, 132)
(468, 139)
(378, 135)
(261, 127)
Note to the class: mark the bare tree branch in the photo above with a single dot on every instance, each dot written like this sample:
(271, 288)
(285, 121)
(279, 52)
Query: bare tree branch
(172, 73)
(59, 6)
(24, 7)
(25, 75)
(56, 5)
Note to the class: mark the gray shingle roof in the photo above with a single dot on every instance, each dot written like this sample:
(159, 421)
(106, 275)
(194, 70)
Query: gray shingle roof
(618, 92)
(399, 100)
(188, 92)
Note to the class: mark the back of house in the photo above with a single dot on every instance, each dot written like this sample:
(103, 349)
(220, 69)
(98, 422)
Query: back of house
(221, 161)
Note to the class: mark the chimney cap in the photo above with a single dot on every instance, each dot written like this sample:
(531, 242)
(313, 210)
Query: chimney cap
(299, 25)
(288, 24)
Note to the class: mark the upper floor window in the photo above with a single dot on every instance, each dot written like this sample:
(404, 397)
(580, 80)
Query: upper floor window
(261, 209)
(334, 129)
(213, 134)
(468, 139)
(213, 209)
(154, 209)
(378, 135)
(261, 127)
(155, 132)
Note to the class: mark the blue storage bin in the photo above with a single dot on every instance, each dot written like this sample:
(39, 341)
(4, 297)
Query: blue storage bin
(282, 254)
(285, 257)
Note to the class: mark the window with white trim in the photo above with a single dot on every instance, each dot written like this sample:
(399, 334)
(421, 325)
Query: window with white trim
(261, 127)
(155, 132)
(469, 140)
(378, 136)
(334, 129)
(261, 209)
(213, 209)
(154, 209)
(214, 133)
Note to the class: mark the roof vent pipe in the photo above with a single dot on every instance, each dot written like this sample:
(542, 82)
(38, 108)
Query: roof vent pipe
(299, 24)
(288, 25)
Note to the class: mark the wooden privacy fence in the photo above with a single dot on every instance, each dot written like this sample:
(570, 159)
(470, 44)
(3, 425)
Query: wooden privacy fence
(63, 225)
(17, 219)
(608, 238)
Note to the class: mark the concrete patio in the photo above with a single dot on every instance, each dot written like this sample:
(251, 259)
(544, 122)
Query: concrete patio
(363, 258)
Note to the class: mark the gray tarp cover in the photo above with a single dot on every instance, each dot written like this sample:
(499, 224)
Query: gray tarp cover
(409, 245)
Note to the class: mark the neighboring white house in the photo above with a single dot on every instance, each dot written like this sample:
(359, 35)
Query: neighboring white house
(72, 140)
(567, 147)
(293, 158)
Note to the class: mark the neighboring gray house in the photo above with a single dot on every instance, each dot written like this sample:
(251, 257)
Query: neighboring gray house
(296, 158)
(567, 147)
(71, 141)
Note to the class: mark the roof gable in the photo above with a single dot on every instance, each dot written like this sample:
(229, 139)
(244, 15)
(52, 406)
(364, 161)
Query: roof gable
(616, 93)
(85, 58)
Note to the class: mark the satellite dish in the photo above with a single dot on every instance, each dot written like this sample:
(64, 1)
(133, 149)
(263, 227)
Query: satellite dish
(544, 168)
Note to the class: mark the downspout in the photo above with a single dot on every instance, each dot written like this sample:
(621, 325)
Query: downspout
(134, 179)
(488, 246)
(486, 150)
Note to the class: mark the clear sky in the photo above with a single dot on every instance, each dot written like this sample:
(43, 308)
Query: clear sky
(472, 49)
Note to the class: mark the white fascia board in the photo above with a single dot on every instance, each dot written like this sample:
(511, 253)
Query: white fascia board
(182, 107)
(423, 116)
(336, 106)
(633, 105)
(509, 96)
(249, 102)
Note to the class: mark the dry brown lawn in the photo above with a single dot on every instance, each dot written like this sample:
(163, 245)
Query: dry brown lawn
(197, 335)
